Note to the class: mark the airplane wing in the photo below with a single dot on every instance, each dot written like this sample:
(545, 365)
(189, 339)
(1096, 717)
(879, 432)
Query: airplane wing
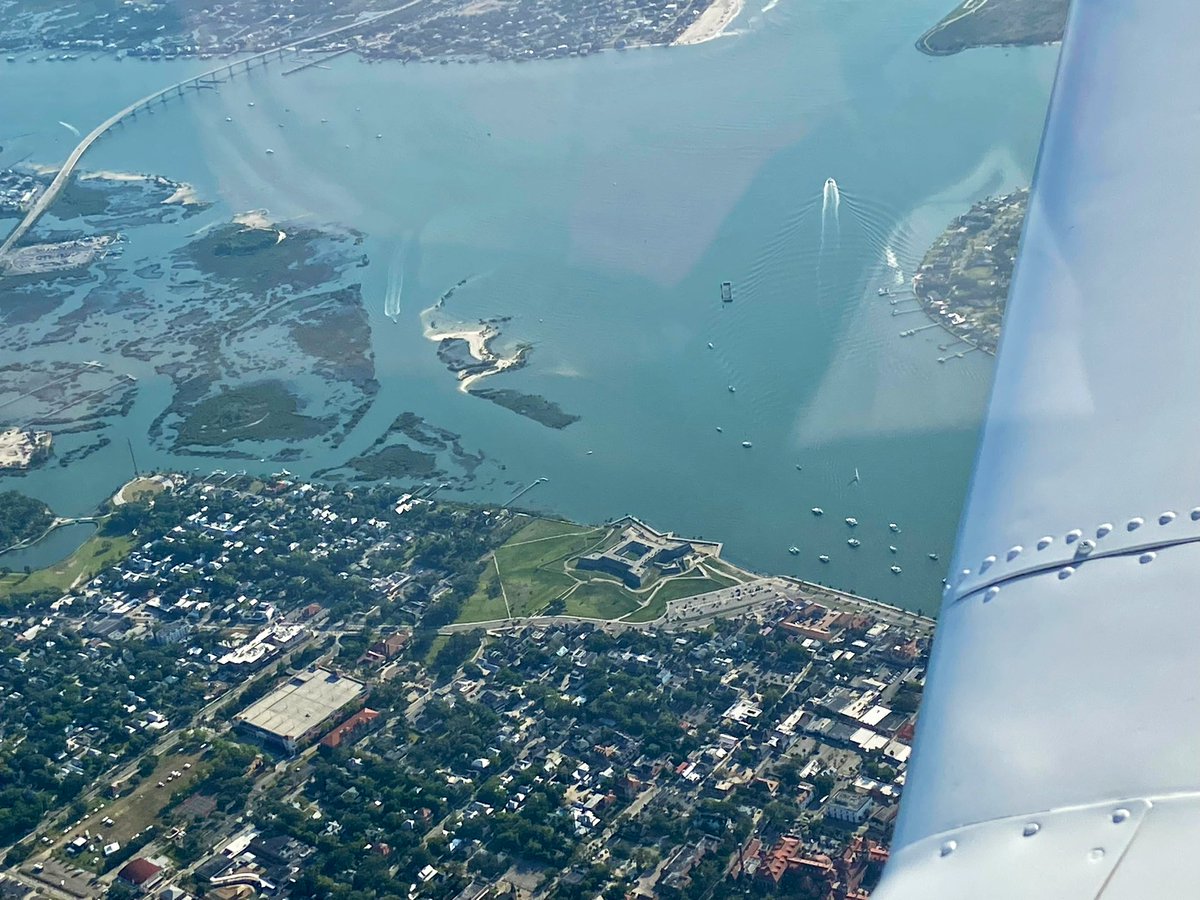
(1058, 749)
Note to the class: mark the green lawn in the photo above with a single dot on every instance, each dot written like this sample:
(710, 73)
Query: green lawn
(544, 528)
(531, 591)
(601, 600)
(140, 489)
(676, 589)
(534, 576)
(435, 647)
(96, 554)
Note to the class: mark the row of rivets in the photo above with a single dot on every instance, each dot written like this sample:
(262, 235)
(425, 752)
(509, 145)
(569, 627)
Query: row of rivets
(1074, 535)
(1030, 829)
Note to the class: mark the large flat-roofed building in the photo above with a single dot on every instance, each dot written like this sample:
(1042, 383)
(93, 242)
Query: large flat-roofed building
(299, 708)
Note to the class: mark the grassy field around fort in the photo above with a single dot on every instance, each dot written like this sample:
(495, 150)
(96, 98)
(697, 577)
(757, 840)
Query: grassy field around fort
(534, 574)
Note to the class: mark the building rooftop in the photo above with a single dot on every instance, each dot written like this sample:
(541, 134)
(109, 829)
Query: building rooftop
(301, 703)
(139, 871)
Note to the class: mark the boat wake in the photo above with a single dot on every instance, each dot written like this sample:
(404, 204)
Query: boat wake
(831, 202)
(395, 287)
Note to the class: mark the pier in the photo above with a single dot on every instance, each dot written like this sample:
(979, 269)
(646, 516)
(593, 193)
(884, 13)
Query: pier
(51, 383)
(49, 418)
(960, 354)
(528, 487)
(910, 332)
(207, 79)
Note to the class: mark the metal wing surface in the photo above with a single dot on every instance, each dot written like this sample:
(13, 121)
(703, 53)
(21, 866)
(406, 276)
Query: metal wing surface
(1058, 750)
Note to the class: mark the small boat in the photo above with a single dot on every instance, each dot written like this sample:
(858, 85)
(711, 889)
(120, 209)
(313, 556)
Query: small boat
(747, 444)
(799, 468)
(823, 558)
(726, 292)
(229, 118)
(892, 547)
(896, 570)
(793, 550)
(719, 429)
(853, 543)
(732, 389)
(851, 521)
(817, 511)
(894, 527)
(269, 151)
(710, 345)
(590, 452)
(251, 103)
(933, 556)
(379, 137)
(324, 121)
(855, 479)
(883, 292)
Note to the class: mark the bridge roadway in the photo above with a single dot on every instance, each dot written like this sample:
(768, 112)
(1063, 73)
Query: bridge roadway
(51, 193)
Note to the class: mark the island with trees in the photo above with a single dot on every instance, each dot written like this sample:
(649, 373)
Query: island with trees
(22, 518)
(990, 23)
(962, 283)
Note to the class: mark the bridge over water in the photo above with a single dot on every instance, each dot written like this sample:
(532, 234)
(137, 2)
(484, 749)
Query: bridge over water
(206, 79)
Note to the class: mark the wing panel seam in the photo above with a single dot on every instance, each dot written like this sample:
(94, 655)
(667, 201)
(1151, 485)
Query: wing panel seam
(1078, 561)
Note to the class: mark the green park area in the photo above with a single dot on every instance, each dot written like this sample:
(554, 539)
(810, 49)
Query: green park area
(534, 573)
(97, 553)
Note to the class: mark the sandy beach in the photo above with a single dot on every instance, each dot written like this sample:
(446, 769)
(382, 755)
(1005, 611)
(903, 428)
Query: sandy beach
(478, 338)
(712, 22)
(255, 218)
(185, 195)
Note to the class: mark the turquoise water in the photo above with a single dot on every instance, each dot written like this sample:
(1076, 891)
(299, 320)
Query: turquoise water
(600, 202)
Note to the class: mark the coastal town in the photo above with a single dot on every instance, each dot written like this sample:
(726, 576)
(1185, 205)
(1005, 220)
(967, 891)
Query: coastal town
(438, 30)
(962, 283)
(277, 687)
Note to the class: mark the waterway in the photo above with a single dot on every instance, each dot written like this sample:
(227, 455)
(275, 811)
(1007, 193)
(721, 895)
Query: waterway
(53, 548)
(600, 202)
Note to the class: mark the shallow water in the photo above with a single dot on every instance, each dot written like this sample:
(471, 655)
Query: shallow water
(600, 202)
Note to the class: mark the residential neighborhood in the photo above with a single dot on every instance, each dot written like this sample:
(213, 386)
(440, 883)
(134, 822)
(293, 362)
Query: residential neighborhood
(281, 709)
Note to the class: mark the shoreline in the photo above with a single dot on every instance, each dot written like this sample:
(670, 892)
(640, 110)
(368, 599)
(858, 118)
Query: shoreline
(184, 194)
(711, 24)
(478, 339)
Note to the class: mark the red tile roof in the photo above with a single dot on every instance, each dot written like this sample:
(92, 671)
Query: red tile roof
(352, 724)
(139, 871)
